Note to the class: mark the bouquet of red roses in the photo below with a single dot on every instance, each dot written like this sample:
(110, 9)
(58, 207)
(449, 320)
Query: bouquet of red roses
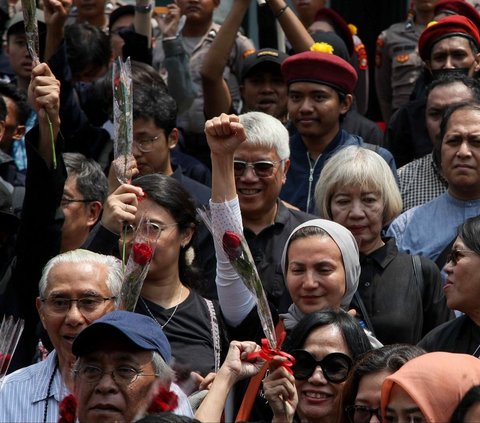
(141, 254)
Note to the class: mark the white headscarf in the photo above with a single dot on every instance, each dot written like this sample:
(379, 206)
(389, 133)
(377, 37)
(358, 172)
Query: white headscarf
(351, 263)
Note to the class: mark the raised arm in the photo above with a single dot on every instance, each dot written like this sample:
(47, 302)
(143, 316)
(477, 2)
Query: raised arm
(296, 33)
(217, 97)
(224, 135)
(56, 14)
(235, 367)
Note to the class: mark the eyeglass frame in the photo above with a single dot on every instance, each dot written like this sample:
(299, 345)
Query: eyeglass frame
(161, 226)
(112, 372)
(252, 165)
(320, 363)
(456, 254)
(149, 140)
(72, 300)
(372, 411)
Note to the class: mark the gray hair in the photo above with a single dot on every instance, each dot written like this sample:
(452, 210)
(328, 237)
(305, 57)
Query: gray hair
(358, 167)
(91, 180)
(266, 131)
(114, 269)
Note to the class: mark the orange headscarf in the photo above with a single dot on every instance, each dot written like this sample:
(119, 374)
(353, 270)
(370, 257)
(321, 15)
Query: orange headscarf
(436, 382)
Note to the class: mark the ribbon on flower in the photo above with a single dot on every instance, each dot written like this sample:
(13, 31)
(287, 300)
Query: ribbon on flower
(266, 353)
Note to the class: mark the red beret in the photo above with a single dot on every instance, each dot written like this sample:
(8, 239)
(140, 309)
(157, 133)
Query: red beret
(339, 24)
(458, 7)
(321, 68)
(450, 26)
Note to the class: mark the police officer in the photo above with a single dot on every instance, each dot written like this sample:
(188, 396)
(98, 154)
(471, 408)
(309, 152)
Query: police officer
(397, 61)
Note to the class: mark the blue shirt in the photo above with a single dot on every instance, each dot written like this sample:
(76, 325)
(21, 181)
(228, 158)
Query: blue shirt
(23, 394)
(428, 229)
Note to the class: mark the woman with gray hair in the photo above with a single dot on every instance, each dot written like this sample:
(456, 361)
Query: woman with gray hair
(399, 296)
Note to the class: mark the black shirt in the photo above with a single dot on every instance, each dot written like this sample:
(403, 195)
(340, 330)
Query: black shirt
(460, 335)
(392, 296)
(189, 331)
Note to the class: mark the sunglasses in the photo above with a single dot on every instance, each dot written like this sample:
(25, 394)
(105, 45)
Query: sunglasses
(362, 413)
(455, 255)
(261, 169)
(335, 366)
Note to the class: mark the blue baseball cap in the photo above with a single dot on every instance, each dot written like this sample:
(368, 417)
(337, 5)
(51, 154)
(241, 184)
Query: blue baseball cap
(141, 331)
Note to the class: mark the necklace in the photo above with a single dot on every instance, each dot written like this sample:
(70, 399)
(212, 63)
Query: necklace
(50, 383)
(171, 316)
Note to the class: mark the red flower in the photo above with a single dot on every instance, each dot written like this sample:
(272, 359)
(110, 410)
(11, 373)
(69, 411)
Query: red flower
(142, 253)
(165, 400)
(68, 409)
(6, 361)
(232, 245)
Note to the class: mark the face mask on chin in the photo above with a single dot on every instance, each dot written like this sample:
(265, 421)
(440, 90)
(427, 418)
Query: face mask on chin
(439, 73)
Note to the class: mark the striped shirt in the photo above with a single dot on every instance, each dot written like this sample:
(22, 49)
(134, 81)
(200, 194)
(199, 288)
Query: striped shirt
(24, 394)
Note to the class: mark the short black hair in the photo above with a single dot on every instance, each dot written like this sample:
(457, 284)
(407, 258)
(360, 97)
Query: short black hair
(355, 337)
(19, 98)
(471, 398)
(86, 46)
(156, 105)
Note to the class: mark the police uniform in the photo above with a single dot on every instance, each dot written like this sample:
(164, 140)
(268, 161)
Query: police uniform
(398, 65)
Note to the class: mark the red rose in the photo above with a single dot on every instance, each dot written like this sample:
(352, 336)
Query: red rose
(232, 245)
(165, 400)
(142, 253)
(68, 409)
(6, 361)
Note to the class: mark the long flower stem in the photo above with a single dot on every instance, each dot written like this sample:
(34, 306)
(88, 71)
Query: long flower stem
(124, 248)
(52, 140)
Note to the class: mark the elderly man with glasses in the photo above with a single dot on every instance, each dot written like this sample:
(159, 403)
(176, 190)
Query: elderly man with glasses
(76, 288)
(122, 358)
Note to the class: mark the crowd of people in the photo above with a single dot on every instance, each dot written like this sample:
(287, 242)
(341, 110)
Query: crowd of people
(365, 237)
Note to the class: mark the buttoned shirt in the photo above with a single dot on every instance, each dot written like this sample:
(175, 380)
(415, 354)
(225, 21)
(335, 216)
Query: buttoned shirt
(24, 394)
(420, 182)
(428, 229)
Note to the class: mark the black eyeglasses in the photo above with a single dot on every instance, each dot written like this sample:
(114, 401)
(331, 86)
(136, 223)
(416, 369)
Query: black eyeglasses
(456, 254)
(86, 305)
(66, 201)
(261, 169)
(335, 366)
(123, 375)
(362, 413)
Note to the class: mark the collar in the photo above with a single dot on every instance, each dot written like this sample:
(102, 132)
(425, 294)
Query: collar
(460, 203)
(382, 256)
(40, 391)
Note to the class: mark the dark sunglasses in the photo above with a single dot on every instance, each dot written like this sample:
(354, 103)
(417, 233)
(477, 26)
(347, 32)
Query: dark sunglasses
(261, 169)
(455, 255)
(362, 413)
(335, 366)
